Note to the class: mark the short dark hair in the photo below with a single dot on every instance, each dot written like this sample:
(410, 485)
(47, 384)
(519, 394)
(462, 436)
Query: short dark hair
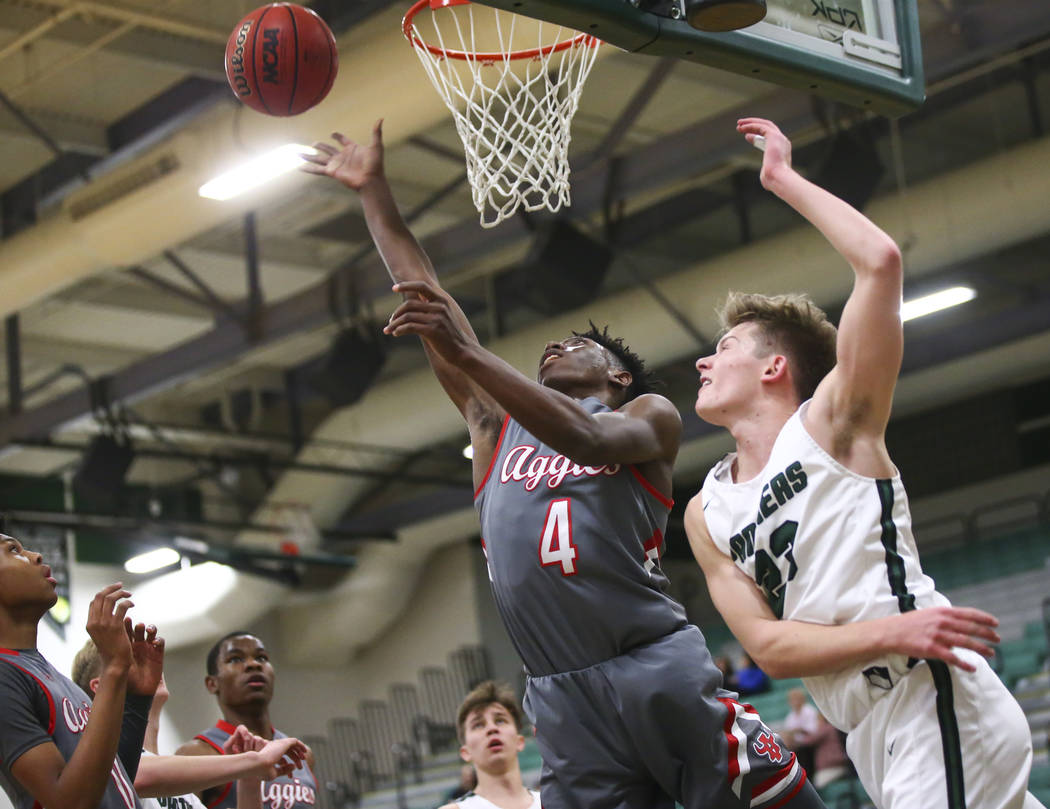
(484, 694)
(211, 663)
(642, 380)
(792, 324)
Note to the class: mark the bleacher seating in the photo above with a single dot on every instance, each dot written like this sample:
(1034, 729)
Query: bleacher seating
(991, 558)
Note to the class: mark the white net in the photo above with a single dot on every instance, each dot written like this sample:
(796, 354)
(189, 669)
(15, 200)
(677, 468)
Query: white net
(512, 114)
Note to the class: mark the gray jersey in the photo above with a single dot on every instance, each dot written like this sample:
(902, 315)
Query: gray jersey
(295, 791)
(39, 705)
(573, 554)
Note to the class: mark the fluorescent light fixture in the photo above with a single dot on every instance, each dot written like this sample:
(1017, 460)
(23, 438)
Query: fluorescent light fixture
(928, 304)
(191, 545)
(255, 172)
(468, 452)
(152, 560)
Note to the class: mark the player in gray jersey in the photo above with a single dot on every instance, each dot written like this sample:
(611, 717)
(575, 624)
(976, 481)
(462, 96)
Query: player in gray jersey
(241, 677)
(56, 748)
(804, 533)
(168, 782)
(573, 484)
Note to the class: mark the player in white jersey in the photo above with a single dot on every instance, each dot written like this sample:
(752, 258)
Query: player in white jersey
(489, 727)
(808, 522)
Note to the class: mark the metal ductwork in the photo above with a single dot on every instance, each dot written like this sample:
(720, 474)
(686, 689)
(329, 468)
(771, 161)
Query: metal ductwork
(969, 212)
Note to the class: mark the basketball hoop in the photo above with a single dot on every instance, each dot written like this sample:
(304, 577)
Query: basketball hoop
(513, 85)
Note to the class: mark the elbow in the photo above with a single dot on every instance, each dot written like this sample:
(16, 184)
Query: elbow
(774, 668)
(769, 656)
(887, 261)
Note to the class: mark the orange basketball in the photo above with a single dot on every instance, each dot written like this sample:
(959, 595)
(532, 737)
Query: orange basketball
(281, 59)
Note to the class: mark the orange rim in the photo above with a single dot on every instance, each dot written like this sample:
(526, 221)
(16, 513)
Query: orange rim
(467, 56)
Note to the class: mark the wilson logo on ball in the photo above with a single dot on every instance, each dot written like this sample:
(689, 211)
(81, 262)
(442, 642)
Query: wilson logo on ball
(281, 59)
(235, 61)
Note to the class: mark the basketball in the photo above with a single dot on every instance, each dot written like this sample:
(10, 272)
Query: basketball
(281, 59)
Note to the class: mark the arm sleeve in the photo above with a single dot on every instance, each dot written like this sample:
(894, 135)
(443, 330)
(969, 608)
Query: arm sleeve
(24, 715)
(133, 732)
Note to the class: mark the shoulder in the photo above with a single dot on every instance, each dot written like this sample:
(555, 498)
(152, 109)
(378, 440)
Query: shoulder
(694, 514)
(652, 405)
(17, 680)
(707, 554)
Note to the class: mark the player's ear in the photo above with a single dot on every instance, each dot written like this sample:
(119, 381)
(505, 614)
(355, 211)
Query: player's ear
(519, 744)
(776, 368)
(93, 685)
(211, 682)
(464, 753)
(620, 379)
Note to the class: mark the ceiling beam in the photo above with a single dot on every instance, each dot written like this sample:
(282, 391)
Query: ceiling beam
(154, 47)
(71, 134)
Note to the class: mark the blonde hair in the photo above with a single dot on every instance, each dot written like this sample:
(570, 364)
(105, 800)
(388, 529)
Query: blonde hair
(484, 694)
(87, 665)
(791, 324)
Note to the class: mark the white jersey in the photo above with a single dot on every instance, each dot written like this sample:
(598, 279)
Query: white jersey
(472, 801)
(825, 545)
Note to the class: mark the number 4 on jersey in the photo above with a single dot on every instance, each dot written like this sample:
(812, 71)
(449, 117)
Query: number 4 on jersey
(556, 546)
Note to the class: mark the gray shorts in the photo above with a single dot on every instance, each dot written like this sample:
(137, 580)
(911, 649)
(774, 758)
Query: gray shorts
(651, 727)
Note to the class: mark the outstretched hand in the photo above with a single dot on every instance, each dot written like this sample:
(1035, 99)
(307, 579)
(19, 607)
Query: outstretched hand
(777, 151)
(352, 164)
(936, 632)
(429, 313)
(282, 757)
(277, 757)
(147, 653)
(108, 626)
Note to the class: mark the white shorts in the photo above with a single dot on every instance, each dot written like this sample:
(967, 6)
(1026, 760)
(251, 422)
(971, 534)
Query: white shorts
(945, 739)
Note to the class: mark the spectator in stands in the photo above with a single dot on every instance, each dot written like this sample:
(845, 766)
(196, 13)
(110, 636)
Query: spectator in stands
(800, 725)
(829, 753)
(489, 726)
(750, 679)
(725, 665)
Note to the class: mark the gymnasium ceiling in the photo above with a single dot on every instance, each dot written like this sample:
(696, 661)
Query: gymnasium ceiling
(159, 307)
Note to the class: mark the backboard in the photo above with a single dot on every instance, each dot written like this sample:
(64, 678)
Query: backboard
(861, 52)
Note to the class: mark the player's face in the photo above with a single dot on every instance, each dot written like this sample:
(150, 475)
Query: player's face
(245, 674)
(491, 741)
(25, 581)
(731, 377)
(572, 361)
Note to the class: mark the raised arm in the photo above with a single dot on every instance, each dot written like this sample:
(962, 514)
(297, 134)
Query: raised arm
(647, 428)
(81, 782)
(800, 649)
(360, 168)
(857, 394)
